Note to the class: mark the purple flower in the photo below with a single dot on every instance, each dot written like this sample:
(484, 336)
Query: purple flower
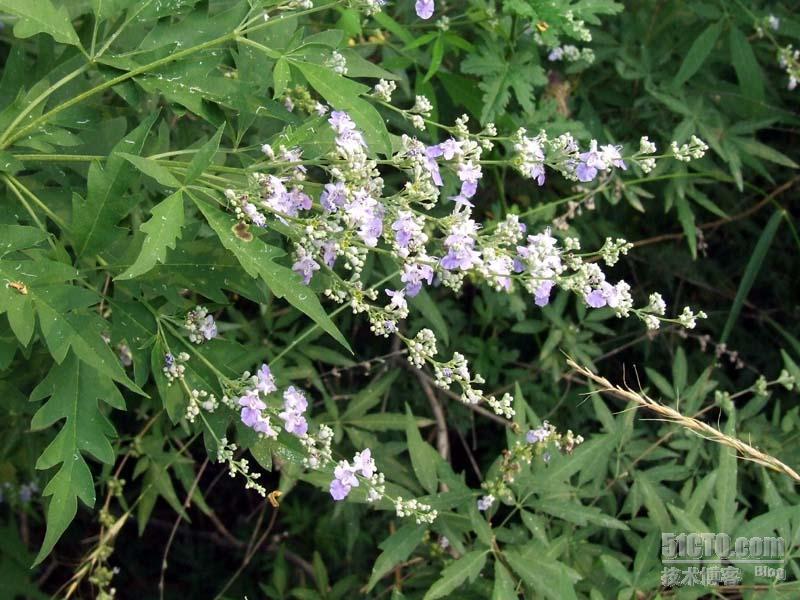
(298, 200)
(595, 299)
(460, 245)
(612, 157)
(348, 139)
(534, 436)
(329, 252)
(364, 462)
(333, 196)
(266, 381)
(294, 405)
(432, 166)
(541, 295)
(256, 217)
(169, 359)
(339, 491)
(585, 171)
(424, 8)
(449, 148)
(344, 479)
(305, 266)
(413, 276)
(398, 301)
(405, 228)
(485, 503)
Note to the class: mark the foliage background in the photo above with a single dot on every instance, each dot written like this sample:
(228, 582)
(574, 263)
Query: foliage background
(719, 234)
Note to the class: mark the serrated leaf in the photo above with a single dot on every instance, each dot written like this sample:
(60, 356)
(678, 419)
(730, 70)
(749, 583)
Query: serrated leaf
(151, 168)
(73, 388)
(94, 220)
(19, 237)
(65, 326)
(258, 260)
(203, 157)
(454, 575)
(504, 587)
(41, 16)
(162, 229)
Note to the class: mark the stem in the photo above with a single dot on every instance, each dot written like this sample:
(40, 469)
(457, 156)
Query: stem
(44, 208)
(37, 101)
(25, 204)
(9, 139)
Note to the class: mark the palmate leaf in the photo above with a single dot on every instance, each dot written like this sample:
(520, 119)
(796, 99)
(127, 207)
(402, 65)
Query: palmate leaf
(500, 76)
(94, 220)
(206, 268)
(163, 229)
(66, 327)
(258, 260)
(73, 388)
(39, 286)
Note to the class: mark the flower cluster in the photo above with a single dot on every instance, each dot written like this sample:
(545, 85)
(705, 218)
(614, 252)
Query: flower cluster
(789, 61)
(174, 367)
(537, 442)
(200, 325)
(200, 399)
(346, 477)
(353, 218)
(255, 397)
(570, 53)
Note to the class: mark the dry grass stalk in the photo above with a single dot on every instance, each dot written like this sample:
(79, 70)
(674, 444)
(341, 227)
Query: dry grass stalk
(670, 414)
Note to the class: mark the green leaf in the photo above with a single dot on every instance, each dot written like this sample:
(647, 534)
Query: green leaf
(9, 164)
(41, 16)
(499, 76)
(19, 237)
(162, 229)
(751, 272)
(358, 66)
(423, 457)
(548, 577)
(724, 502)
(686, 217)
(258, 260)
(74, 388)
(504, 587)
(396, 548)
(151, 168)
(64, 326)
(371, 395)
(203, 157)
(342, 94)
(751, 80)
(436, 58)
(281, 75)
(578, 514)
(697, 54)
(453, 576)
(94, 220)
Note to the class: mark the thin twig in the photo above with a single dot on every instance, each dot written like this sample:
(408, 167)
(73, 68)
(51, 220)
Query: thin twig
(704, 430)
(176, 524)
